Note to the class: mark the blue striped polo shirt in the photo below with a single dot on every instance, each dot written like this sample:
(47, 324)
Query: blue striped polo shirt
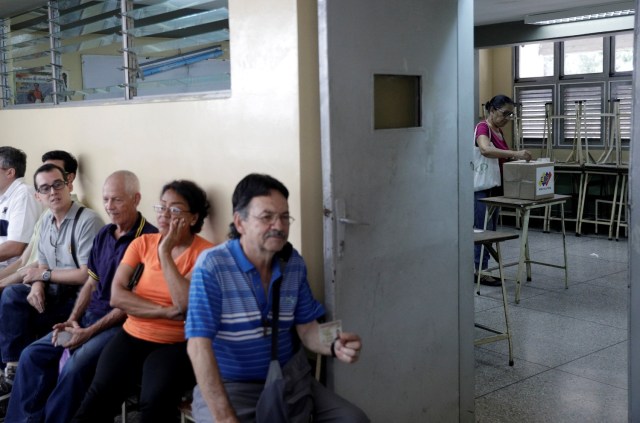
(227, 304)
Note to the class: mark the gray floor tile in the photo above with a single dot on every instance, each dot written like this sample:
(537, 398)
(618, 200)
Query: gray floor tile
(549, 339)
(493, 371)
(486, 303)
(581, 269)
(616, 280)
(570, 346)
(592, 303)
(554, 396)
(607, 366)
(540, 285)
(603, 250)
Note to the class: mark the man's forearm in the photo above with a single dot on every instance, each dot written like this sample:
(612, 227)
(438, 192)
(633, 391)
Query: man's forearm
(11, 249)
(209, 380)
(84, 297)
(114, 318)
(15, 277)
(69, 276)
(13, 267)
(310, 337)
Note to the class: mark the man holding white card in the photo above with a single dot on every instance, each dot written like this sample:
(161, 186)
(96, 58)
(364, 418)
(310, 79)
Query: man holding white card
(229, 320)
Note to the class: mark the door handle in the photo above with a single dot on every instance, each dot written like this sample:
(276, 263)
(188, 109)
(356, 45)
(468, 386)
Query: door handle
(343, 220)
(347, 221)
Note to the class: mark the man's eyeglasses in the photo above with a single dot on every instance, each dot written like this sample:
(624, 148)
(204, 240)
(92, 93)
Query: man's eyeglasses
(505, 113)
(271, 218)
(174, 211)
(57, 186)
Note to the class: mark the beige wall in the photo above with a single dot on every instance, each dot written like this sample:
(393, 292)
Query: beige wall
(495, 77)
(269, 123)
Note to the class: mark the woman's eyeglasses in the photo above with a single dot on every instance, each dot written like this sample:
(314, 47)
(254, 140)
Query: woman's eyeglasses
(174, 211)
(507, 114)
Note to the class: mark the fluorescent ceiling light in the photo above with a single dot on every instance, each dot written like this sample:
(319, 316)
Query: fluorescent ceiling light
(582, 14)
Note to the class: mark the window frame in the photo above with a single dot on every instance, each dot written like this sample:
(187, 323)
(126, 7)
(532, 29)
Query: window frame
(209, 18)
(608, 79)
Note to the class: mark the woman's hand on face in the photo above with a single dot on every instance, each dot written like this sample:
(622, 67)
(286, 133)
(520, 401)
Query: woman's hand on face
(170, 239)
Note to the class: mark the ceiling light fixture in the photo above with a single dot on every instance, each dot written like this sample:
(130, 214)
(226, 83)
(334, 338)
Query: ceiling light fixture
(582, 14)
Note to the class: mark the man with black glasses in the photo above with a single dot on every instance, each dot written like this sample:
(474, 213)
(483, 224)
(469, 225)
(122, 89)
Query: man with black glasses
(48, 291)
(14, 272)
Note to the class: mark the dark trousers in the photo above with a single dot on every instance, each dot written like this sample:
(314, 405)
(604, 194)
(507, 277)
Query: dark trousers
(163, 372)
(479, 209)
(43, 394)
(21, 324)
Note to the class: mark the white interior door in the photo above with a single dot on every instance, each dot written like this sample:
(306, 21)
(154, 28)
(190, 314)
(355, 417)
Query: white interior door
(394, 254)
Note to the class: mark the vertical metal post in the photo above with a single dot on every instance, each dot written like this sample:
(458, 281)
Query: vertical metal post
(547, 138)
(518, 142)
(5, 92)
(129, 57)
(54, 47)
(616, 131)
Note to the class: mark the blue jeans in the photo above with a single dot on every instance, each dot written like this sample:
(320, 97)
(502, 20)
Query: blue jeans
(479, 209)
(39, 394)
(21, 324)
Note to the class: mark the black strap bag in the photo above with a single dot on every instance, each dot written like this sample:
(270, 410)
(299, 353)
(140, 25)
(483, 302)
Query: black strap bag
(286, 397)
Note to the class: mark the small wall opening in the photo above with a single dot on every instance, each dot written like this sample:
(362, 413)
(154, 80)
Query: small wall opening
(396, 101)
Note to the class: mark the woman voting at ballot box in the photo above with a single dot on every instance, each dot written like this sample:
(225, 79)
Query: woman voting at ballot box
(490, 153)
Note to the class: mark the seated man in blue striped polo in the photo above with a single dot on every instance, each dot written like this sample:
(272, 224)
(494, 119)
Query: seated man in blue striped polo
(229, 317)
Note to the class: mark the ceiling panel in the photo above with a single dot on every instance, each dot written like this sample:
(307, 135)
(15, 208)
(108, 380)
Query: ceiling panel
(486, 11)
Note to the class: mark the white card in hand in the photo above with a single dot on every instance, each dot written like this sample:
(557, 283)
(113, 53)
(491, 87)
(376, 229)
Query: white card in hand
(62, 338)
(330, 331)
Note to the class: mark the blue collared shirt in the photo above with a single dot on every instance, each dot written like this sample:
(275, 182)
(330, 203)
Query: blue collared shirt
(227, 304)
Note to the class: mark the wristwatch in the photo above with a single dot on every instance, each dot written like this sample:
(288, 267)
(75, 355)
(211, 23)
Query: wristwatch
(46, 275)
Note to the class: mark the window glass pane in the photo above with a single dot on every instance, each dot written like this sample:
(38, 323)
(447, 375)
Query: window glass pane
(26, 65)
(178, 48)
(74, 50)
(583, 56)
(535, 60)
(86, 31)
(623, 57)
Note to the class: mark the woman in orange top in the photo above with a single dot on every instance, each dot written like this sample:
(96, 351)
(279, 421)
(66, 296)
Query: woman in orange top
(150, 350)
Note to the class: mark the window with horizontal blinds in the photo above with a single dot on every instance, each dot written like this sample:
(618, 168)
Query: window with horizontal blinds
(531, 102)
(593, 70)
(590, 95)
(622, 91)
(74, 50)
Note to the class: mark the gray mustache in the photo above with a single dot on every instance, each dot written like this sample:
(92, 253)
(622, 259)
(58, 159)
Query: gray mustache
(276, 233)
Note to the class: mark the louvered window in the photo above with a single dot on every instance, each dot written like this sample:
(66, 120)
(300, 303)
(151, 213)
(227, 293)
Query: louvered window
(73, 50)
(531, 102)
(589, 115)
(622, 91)
(582, 77)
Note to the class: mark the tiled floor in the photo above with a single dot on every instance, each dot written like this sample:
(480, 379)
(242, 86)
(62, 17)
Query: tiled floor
(570, 345)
